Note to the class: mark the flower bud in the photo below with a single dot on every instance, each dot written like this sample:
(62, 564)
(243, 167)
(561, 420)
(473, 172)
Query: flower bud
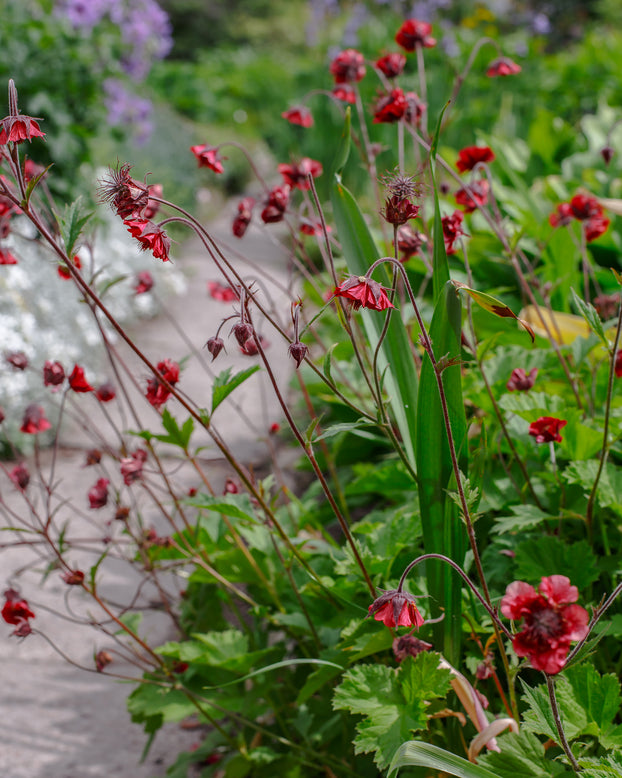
(215, 346)
(298, 351)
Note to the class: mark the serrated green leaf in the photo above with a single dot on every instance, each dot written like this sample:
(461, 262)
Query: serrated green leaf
(327, 365)
(549, 555)
(520, 755)
(599, 696)
(524, 516)
(336, 429)
(366, 688)
(423, 679)
(539, 717)
(32, 183)
(224, 384)
(176, 436)
(417, 754)
(237, 505)
(71, 224)
(591, 316)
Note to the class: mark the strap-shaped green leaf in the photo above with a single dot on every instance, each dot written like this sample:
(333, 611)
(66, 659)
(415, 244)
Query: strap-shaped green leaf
(417, 754)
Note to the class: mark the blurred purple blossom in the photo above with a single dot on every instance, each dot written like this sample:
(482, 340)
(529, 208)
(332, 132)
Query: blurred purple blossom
(541, 24)
(356, 20)
(83, 14)
(128, 109)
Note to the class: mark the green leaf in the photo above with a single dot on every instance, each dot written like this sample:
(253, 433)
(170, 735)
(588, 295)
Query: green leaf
(32, 183)
(539, 717)
(237, 505)
(72, 223)
(354, 427)
(343, 152)
(224, 384)
(494, 306)
(176, 436)
(520, 755)
(599, 696)
(414, 753)
(548, 555)
(591, 316)
(524, 517)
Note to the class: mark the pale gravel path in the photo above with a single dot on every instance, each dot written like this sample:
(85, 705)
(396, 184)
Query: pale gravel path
(59, 721)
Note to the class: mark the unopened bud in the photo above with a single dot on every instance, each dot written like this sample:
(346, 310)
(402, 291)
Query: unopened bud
(215, 346)
(607, 153)
(298, 351)
(243, 332)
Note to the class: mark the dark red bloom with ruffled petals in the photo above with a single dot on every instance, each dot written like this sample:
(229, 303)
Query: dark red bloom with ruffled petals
(398, 210)
(520, 381)
(415, 33)
(475, 197)
(409, 242)
(299, 115)
(561, 216)
(348, 66)
(470, 156)
(132, 466)
(106, 392)
(396, 609)
(53, 374)
(17, 359)
(276, 204)
(503, 66)
(551, 622)
(243, 218)
(208, 156)
(296, 176)
(98, 494)
(546, 429)
(17, 129)
(345, 93)
(220, 292)
(143, 282)
(452, 230)
(585, 207)
(63, 270)
(392, 64)
(595, 227)
(157, 394)
(15, 609)
(415, 108)
(364, 292)
(390, 107)
(34, 420)
(20, 476)
(150, 236)
(77, 380)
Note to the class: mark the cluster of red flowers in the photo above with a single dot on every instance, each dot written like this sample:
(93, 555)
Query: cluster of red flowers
(276, 204)
(550, 622)
(157, 394)
(16, 611)
(585, 209)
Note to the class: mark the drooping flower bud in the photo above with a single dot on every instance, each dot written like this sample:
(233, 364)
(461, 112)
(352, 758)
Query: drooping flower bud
(298, 351)
(215, 346)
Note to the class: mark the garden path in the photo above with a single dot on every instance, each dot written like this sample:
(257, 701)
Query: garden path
(59, 721)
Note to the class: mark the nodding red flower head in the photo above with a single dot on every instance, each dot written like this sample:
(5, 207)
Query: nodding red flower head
(585, 207)
(16, 128)
(415, 108)
(561, 216)
(298, 351)
(452, 230)
(250, 347)
(409, 241)
(415, 33)
(127, 197)
(546, 429)
(16, 610)
(470, 156)
(618, 364)
(17, 359)
(53, 374)
(475, 197)
(345, 93)
(296, 176)
(20, 476)
(313, 228)
(63, 270)
(550, 622)
(77, 380)
(274, 428)
(102, 660)
(276, 204)
(153, 206)
(399, 210)
(6, 258)
(595, 227)
(502, 66)
(396, 609)
(143, 282)
(215, 346)
(93, 457)
(2, 414)
(220, 292)
(208, 156)
(34, 420)
(98, 494)
(607, 154)
(348, 66)
(365, 292)
(231, 487)
(157, 394)
(73, 577)
(132, 466)
(298, 114)
(243, 218)
(520, 381)
(32, 170)
(150, 236)
(242, 331)
(106, 392)
(409, 645)
(390, 107)
(391, 65)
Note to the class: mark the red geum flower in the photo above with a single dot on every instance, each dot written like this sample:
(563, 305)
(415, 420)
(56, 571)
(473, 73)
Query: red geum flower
(63, 270)
(98, 494)
(409, 645)
(77, 380)
(231, 487)
(585, 207)
(106, 392)
(32, 170)
(561, 216)
(157, 394)
(20, 476)
(17, 359)
(398, 210)
(409, 241)
(34, 420)
(607, 154)
(132, 466)
(73, 577)
(276, 204)
(127, 197)
(150, 236)
(365, 292)
(313, 228)
(594, 227)
(415, 33)
(93, 457)
(475, 197)
(220, 292)
(618, 364)
(390, 107)
(345, 93)
(215, 346)
(551, 622)
(391, 65)
(296, 176)
(243, 218)
(6, 258)
(546, 429)
(415, 108)
(53, 374)
(153, 206)
(102, 660)
(521, 381)
(16, 127)
(298, 114)
(502, 66)
(208, 156)
(250, 348)
(396, 609)
(274, 428)
(348, 66)
(15, 609)
(470, 156)
(297, 351)
(452, 230)
(143, 282)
